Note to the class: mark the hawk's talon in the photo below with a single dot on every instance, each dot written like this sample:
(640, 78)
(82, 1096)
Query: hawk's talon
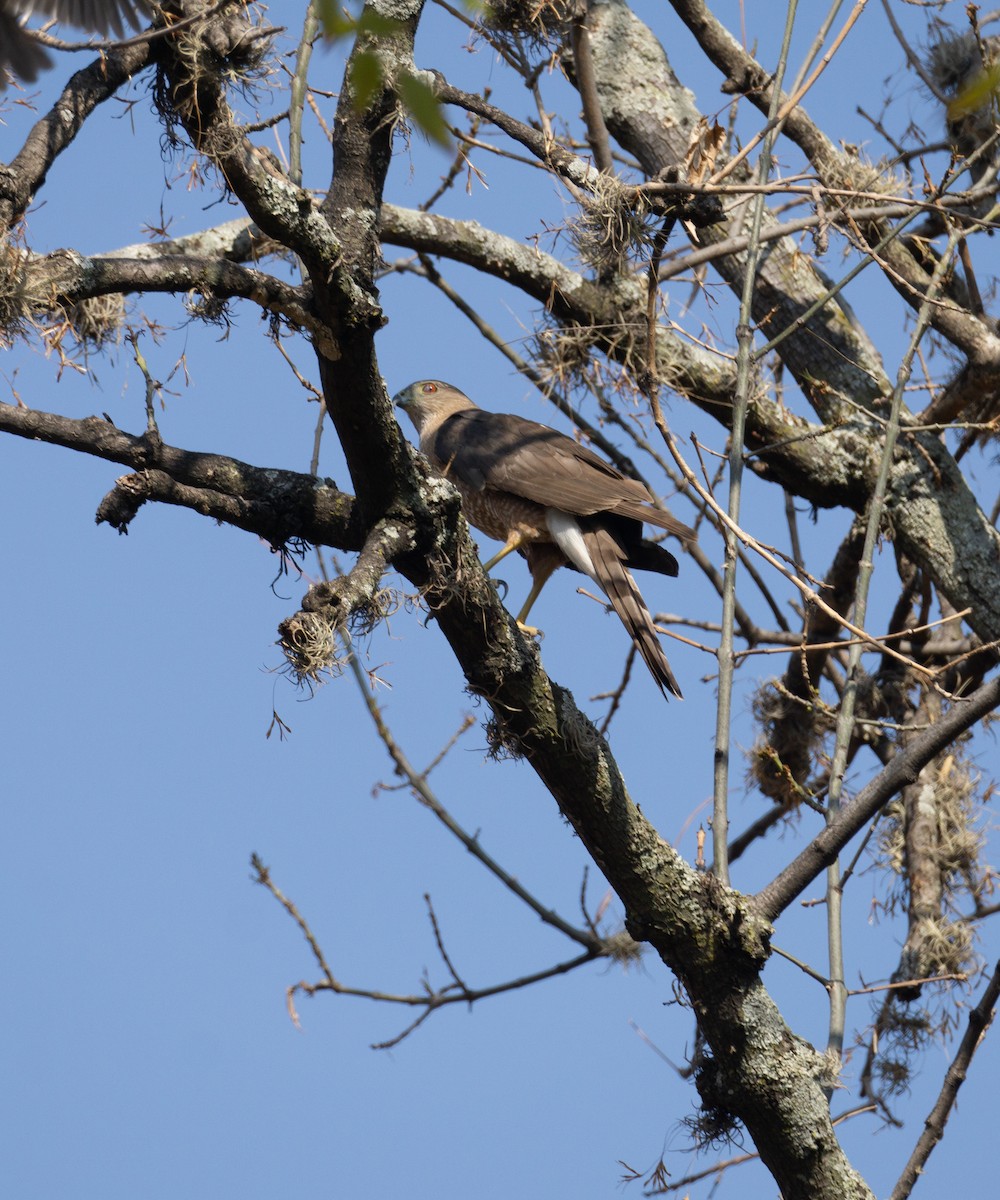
(530, 631)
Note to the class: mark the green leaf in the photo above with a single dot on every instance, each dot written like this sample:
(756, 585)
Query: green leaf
(365, 78)
(425, 108)
(338, 24)
(335, 22)
(374, 22)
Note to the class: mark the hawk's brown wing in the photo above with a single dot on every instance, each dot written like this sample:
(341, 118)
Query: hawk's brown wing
(507, 453)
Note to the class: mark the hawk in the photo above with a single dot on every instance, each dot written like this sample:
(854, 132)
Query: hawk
(555, 501)
(24, 57)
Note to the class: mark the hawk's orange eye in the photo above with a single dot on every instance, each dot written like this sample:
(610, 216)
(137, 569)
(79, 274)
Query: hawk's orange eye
(429, 389)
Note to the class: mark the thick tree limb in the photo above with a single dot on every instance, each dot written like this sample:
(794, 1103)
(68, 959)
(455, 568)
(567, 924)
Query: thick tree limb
(275, 505)
(65, 278)
(653, 116)
(970, 332)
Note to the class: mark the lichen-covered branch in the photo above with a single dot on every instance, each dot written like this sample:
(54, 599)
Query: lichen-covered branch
(64, 279)
(278, 506)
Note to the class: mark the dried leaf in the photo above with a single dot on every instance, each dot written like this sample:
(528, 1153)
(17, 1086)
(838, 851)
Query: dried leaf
(703, 150)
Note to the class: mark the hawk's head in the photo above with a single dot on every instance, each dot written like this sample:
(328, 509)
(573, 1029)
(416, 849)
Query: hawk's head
(430, 400)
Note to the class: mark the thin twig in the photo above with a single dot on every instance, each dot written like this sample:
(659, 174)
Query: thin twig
(980, 1020)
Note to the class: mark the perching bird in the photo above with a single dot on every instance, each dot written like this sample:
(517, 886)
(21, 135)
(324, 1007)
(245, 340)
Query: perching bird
(24, 57)
(557, 502)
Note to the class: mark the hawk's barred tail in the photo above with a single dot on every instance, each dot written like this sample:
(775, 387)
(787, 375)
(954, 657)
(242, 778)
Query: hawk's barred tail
(626, 599)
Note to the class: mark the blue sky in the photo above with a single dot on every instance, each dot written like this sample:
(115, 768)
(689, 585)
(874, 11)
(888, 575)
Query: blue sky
(148, 1050)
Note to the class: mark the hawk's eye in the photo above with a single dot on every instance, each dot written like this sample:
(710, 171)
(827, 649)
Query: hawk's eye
(429, 389)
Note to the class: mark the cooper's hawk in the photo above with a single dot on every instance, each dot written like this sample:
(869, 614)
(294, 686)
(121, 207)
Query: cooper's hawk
(24, 57)
(557, 502)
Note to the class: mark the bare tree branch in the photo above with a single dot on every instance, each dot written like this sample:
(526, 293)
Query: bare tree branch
(980, 1020)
